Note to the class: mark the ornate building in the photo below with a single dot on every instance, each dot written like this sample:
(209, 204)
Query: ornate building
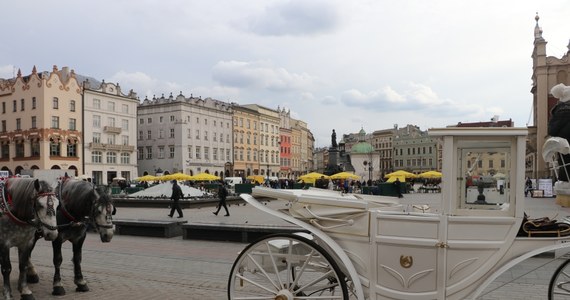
(547, 71)
(41, 122)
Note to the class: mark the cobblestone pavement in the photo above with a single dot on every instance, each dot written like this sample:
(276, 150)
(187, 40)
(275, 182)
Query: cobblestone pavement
(131, 267)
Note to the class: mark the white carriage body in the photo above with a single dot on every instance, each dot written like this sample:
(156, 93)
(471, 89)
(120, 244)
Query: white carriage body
(394, 249)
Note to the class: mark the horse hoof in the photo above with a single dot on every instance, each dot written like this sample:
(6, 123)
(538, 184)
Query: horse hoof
(33, 278)
(58, 291)
(28, 297)
(82, 288)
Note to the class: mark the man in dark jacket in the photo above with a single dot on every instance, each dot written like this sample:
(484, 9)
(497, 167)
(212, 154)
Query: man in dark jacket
(222, 194)
(176, 195)
(559, 125)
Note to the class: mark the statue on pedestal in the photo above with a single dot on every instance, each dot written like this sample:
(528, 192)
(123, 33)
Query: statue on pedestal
(333, 140)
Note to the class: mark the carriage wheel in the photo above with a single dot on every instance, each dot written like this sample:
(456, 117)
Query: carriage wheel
(286, 267)
(559, 287)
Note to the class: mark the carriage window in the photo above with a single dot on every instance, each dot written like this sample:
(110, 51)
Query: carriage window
(485, 183)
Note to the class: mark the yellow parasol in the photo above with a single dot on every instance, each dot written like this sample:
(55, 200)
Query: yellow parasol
(344, 175)
(147, 178)
(312, 177)
(204, 177)
(393, 178)
(401, 173)
(257, 178)
(430, 174)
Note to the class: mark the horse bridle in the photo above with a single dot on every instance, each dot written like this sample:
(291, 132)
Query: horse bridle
(37, 221)
(74, 222)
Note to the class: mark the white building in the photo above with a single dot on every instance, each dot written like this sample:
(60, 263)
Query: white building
(187, 135)
(110, 122)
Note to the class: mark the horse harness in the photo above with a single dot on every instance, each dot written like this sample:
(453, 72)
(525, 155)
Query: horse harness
(6, 203)
(73, 222)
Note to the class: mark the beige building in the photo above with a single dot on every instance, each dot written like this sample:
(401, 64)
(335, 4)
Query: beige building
(269, 124)
(246, 141)
(111, 138)
(547, 71)
(41, 122)
(186, 135)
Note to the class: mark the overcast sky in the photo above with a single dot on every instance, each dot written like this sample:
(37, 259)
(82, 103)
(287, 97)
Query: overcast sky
(336, 64)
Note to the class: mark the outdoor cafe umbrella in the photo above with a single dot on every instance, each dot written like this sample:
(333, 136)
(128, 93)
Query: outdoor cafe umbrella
(204, 177)
(175, 176)
(312, 177)
(344, 175)
(393, 178)
(257, 178)
(401, 173)
(430, 174)
(147, 178)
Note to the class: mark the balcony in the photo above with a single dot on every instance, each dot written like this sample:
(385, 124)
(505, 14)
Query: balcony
(111, 129)
(111, 147)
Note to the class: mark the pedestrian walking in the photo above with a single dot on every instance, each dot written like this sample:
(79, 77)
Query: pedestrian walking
(176, 195)
(398, 188)
(222, 194)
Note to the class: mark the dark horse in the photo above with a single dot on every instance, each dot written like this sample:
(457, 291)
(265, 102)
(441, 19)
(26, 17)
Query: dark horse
(27, 212)
(82, 206)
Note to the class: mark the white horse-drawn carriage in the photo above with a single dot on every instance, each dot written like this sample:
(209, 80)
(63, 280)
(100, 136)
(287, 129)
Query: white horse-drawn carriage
(442, 246)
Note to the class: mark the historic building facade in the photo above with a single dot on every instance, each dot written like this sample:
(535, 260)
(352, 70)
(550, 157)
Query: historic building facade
(41, 122)
(547, 71)
(186, 135)
(111, 138)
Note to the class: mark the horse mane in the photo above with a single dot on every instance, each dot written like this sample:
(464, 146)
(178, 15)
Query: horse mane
(78, 196)
(23, 194)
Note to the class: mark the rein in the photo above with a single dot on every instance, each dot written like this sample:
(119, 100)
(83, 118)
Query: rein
(73, 221)
(7, 201)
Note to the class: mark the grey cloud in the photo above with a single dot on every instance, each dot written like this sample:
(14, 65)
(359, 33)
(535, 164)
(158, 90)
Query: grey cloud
(296, 17)
(260, 75)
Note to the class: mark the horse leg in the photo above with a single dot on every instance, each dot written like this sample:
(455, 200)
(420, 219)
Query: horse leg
(32, 274)
(79, 281)
(6, 267)
(23, 259)
(58, 289)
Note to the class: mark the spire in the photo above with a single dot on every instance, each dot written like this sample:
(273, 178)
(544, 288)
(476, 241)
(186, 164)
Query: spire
(34, 70)
(537, 29)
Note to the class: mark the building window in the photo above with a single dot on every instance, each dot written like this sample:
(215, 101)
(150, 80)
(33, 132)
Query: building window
(171, 118)
(18, 124)
(149, 152)
(55, 103)
(22, 102)
(125, 108)
(197, 134)
(125, 158)
(124, 140)
(3, 107)
(140, 153)
(207, 153)
(111, 139)
(172, 132)
(189, 133)
(34, 122)
(35, 147)
(227, 154)
(141, 135)
(71, 149)
(34, 103)
(72, 123)
(3, 125)
(125, 124)
(160, 119)
(55, 122)
(149, 120)
(111, 106)
(111, 158)
(72, 105)
(96, 103)
(198, 152)
(205, 135)
(96, 121)
(54, 147)
(111, 121)
(141, 121)
(96, 157)
(190, 152)
(19, 149)
(161, 133)
(171, 151)
(6, 151)
(149, 135)
(215, 153)
(96, 137)
(160, 151)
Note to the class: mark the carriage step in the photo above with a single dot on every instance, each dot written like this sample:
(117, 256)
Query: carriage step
(241, 233)
(153, 228)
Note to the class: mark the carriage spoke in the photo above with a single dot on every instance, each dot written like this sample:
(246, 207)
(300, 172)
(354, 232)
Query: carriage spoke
(263, 271)
(275, 269)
